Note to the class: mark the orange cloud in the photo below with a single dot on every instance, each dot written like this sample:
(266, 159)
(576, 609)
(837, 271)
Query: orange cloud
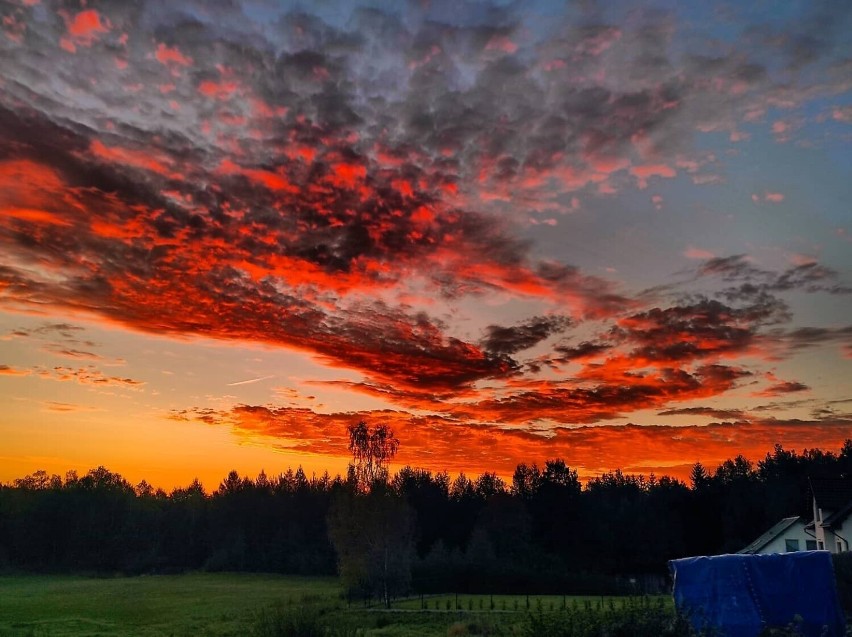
(65, 408)
(644, 172)
(438, 443)
(698, 253)
(87, 376)
(6, 370)
(771, 197)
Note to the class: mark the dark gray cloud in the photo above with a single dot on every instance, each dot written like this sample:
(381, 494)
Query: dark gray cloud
(721, 414)
(510, 340)
(752, 280)
(793, 340)
(704, 328)
(585, 349)
(786, 387)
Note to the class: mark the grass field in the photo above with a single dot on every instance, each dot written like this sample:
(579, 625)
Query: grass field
(214, 604)
(224, 604)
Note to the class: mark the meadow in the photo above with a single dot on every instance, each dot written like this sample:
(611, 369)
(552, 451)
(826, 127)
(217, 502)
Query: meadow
(213, 604)
(224, 604)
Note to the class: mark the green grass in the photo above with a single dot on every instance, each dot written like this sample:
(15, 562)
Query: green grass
(157, 605)
(226, 604)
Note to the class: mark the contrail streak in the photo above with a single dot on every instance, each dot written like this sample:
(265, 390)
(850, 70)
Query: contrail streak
(250, 381)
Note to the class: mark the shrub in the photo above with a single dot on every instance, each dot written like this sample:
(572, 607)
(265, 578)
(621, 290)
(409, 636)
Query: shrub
(480, 626)
(458, 629)
(616, 623)
(290, 622)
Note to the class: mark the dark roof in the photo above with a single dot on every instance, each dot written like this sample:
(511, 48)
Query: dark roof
(831, 494)
(770, 535)
(836, 518)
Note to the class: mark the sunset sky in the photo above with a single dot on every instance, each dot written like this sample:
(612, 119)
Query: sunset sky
(618, 233)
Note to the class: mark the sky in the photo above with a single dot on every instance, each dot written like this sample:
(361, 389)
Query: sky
(617, 233)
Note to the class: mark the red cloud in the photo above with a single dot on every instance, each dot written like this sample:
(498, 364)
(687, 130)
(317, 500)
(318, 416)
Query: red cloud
(266, 178)
(134, 158)
(218, 90)
(83, 29)
(34, 216)
(32, 194)
(171, 55)
(346, 175)
(501, 43)
(239, 283)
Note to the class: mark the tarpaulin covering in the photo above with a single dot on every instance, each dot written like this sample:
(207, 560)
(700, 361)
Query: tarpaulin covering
(740, 595)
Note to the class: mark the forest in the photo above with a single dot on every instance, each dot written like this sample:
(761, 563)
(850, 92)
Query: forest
(415, 531)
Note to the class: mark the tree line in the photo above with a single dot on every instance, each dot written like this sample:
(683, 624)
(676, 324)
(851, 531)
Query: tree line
(542, 531)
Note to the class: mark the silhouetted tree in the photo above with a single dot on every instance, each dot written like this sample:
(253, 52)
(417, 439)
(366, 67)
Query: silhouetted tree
(544, 534)
(371, 450)
(373, 535)
(698, 477)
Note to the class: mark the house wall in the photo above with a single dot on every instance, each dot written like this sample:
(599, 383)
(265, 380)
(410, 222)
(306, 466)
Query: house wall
(831, 537)
(843, 534)
(795, 532)
(825, 538)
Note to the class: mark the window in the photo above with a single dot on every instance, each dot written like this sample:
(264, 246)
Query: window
(791, 545)
(810, 545)
(820, 545)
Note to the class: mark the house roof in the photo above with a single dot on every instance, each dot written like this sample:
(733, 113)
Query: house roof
(836, 518)
(770, 535)
(831, 494)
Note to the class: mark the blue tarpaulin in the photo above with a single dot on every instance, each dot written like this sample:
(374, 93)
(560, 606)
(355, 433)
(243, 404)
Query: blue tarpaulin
(740, 595)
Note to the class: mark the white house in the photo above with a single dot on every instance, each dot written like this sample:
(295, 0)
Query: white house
(830, 529)
(790, 534)
(832, 506)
